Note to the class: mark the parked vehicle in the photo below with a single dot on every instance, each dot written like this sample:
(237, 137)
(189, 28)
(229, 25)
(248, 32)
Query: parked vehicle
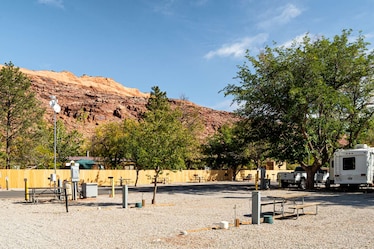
(322, 175)
(352, 167)
(299, 176)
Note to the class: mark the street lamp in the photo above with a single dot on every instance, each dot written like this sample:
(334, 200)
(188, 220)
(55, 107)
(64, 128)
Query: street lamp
(56, 109)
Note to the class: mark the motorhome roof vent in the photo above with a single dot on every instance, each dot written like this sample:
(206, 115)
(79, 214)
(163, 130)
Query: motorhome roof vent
(361, 146)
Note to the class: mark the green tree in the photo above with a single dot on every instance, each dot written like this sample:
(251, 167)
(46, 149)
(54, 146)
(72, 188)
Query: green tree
(304, 98)
(68, 143)
(257, 148)
(230, 148)
(164, 140)
(107, 143)
(34, 149)
(130, 142)
(227, 149)
(20, 112)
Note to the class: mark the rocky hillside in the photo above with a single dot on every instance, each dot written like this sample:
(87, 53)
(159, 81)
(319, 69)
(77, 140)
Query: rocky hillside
(87, 102)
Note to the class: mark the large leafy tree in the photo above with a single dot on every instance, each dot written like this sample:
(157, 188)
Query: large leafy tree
(226, 149)
(107, 143)
(257, 148)
(303, 99)
(231, 147)
(165, 140)
(20, 113)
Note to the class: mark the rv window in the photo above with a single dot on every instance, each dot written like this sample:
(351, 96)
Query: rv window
(349, 163)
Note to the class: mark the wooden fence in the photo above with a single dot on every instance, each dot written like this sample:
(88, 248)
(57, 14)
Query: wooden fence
(15, 178)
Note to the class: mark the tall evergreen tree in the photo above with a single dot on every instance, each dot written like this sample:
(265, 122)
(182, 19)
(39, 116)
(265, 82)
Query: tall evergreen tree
(164, 140)
(20, 112)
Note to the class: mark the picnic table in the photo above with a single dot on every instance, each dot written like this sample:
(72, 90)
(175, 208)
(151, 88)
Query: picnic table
(163, 180)
(42, 192)
(198, 178)
(124, 180)
(294, 201)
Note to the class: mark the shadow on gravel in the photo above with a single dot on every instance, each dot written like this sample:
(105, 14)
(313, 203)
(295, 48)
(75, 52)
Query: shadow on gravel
(361, 198)
(203, 189)
(335, 196)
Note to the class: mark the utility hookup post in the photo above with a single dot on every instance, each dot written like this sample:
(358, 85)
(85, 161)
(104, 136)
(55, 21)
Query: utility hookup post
(74, 170)
(125, 193)
(256, 207)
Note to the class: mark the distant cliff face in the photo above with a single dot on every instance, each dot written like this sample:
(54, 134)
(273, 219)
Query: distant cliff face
(87, 102)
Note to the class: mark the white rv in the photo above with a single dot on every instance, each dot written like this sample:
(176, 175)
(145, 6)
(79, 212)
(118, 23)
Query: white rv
(352, 167)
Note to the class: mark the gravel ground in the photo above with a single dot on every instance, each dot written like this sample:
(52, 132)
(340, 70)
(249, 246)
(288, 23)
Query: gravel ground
(186, 218)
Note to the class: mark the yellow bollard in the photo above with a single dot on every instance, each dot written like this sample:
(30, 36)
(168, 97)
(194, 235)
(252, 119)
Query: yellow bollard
(112, 183)
(26, 190)
(256, 181)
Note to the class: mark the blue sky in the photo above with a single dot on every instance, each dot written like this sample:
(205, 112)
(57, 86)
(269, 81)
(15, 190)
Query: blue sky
(189, 48)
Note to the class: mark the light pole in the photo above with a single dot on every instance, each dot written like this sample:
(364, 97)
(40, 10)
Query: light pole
(56, 109)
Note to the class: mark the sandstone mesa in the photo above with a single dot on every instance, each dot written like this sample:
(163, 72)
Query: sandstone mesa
(89, 101)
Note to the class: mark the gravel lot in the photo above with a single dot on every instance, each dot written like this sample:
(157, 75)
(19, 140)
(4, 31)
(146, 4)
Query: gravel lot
(186, 217)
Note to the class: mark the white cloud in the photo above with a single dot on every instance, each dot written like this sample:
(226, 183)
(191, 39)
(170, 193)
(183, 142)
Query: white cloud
(238, 49)
(54, 3)
(282, 16)
(297, 39)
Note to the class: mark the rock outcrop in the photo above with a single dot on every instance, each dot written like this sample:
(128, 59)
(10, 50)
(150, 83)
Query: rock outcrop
(87, 102)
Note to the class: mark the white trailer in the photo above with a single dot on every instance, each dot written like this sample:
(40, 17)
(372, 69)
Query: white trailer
(352, 167)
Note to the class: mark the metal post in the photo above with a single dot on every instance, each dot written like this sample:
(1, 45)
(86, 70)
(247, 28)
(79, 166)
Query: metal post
(59, 185)
(66, 200)
(55, 141)
(26, 190)
(74, 192)
(125, 192)
(256, 207)
(56, 109)
(263, 178)
(112, 184)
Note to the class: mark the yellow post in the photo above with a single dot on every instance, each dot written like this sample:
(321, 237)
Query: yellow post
(112, 183)
(26, 190)
(256, 181)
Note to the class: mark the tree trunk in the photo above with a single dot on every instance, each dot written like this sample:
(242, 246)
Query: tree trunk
(154, 190)
(137, 177)
(234, 173)
(310, 171)
(157, 172)
(7, 163)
